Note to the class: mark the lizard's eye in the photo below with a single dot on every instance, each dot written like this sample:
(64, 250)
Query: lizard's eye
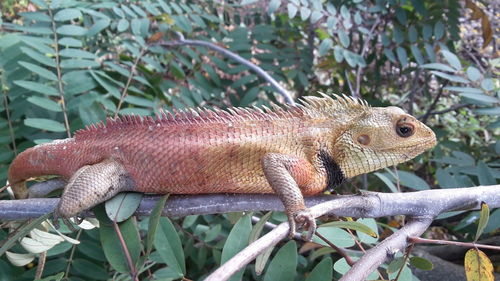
(404, 129)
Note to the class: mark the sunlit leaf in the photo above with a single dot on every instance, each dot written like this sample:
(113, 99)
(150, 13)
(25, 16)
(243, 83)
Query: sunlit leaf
(478, 266)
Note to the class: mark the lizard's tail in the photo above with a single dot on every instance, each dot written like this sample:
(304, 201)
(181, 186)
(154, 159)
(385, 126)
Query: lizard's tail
(40, 160)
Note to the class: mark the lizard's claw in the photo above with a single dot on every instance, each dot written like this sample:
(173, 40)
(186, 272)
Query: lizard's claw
(303, 219)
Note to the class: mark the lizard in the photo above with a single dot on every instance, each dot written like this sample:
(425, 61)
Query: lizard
(292, 151)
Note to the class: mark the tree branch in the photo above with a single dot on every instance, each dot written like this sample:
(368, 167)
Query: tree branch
(263, 74)
(421, 206)
(386, 249)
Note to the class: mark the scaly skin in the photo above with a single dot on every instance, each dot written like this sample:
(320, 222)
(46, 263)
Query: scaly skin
(294, 152)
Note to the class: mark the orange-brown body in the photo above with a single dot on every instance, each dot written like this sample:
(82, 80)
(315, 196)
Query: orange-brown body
(180, 157)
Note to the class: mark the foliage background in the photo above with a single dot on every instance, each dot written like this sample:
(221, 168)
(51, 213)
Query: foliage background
(67, 64)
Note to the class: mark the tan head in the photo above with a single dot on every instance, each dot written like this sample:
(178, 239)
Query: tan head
(382, 137)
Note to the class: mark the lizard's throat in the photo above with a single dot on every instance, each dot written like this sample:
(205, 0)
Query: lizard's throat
(334, 174)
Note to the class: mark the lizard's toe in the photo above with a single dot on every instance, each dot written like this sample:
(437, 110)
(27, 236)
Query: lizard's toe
(305, 220)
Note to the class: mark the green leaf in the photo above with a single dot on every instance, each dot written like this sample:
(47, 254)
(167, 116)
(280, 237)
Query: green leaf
(123, 205)
(38, 57)
(79, 63)
(71, 30)
(45, 103)
(484, 174)
(438, 66)
(417, 54)
(37, 87)
(212, 233)
(258, 227)
(67, 14)
(473, 73)
(484, 216)
(427, 32)
(154, 222)
(402, 56)
(43, 72)
(168, 244)
(387, 181)
(236, 241)
(98, 26)
(110, 242)
(430, 52)
(45, 124)
(335, 235)
(292, 10)
(488, 111)
(283, 267)
(90, 270)
(482, 98)
(412, 34)
(372, 224)
(488, 84)
(123, 25)
(452, 59)
(412, 181)
(344, 38)
(76, 53)
(316, 16)
(438, 30)
(390, 55)
(421, 263)
(398, 35)
(445, 179)
(35, 16)
(396, 265)
(112, 89)
(464, 89)
(304, 13)
(323, 271)
(351, 225)
(273, 6)
(261, 260)
(70, 42)
(325, 46)
(401, 15)
(452, 78)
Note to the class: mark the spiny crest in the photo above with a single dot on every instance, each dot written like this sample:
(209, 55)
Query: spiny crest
(326, 106)
(309, 106)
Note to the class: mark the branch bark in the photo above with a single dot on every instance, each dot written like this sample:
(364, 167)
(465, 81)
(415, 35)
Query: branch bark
(182, 42)
(421, 206)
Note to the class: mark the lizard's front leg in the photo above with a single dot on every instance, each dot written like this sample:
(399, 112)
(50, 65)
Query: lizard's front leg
(286, 174)
(91, 185)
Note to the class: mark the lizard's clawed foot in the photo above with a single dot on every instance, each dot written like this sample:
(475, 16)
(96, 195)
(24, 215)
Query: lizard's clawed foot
(55, 220)
(302, 219)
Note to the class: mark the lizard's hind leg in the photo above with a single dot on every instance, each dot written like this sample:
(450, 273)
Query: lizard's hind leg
(91, 185)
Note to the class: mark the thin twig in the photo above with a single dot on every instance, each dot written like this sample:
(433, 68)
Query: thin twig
(59, 75)
(42, 258)
(424, 117)
(420, 240)
(7, 114)
(131, 266)
(182, 41)
(129, 80)
(451, 108)
(338, 249)
(359, 72)
(72, 253)
(407, 256)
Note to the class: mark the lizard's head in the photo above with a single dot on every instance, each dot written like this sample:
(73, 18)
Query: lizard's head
(383, 137)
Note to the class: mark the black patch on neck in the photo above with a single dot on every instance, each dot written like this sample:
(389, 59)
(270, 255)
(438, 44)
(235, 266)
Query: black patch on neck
(334, 174)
